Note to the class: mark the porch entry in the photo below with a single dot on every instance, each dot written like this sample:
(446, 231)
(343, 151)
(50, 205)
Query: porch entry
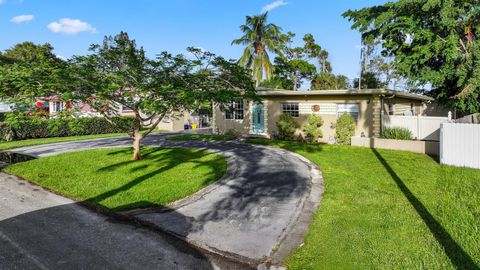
(258, 120)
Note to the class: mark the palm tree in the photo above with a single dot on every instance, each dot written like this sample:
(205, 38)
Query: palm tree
(259, 38)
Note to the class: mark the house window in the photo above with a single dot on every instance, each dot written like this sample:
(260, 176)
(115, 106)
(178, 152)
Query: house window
(352, 109)
(291, 108)
(235, 112)
(57, 106)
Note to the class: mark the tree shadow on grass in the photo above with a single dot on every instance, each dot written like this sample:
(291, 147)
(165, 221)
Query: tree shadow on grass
(452, 249)
(163, 158)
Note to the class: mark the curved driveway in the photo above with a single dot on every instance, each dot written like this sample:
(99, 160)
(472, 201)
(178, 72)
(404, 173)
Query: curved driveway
(259, 210)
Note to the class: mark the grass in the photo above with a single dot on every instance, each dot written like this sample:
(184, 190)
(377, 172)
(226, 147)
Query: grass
(109, 178)
(202, 137)
(387, 209)
(32, 142)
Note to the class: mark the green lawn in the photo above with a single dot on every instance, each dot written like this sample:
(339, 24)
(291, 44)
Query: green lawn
(32, 142)
(109, 178)
(202, 137)
(389, 210)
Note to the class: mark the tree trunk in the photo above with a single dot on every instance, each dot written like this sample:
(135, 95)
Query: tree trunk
(295, 81)
(137, 137)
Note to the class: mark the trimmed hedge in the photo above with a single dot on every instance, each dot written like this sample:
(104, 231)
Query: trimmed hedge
(286, 127)
(62, 127)
(344, 129)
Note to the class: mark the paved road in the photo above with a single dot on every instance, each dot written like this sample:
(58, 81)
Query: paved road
(248, 214)
(40, 230)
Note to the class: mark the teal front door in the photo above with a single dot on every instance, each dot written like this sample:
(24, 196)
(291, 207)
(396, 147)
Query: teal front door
(258, 125)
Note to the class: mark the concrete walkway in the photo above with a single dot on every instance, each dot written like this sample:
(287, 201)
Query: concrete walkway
(258, 212)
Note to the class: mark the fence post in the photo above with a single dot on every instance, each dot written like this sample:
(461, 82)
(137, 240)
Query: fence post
(442, 141)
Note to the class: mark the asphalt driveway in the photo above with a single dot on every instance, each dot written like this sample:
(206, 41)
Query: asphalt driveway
(258, 212)
(40, 230)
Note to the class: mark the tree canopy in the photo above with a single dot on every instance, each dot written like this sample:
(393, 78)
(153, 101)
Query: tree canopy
(118, 73)
(433, 43)
(259, 38)
(28, 70)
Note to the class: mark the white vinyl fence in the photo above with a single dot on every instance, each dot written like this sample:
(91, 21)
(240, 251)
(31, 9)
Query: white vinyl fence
(460, 145)
(422, 127)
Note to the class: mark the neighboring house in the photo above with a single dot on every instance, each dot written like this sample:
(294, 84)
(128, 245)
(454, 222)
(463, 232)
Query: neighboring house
(55, 105)
(365, 106)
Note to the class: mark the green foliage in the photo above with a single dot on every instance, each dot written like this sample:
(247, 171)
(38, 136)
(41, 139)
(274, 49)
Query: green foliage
(119, 73)
(432, 43)
(344, 129)
(259, 38)
(27, 71)
(286, 126)
(19, 126)
(315, 51)
(329, 81)
(369, 81)
(293, 64)
(397, 133)
(312, 128)
(278, 82)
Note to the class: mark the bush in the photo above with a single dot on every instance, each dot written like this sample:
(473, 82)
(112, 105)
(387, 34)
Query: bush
(286, 127)
(345, 129)
(397, 133)
(20, 127)
(312, 128)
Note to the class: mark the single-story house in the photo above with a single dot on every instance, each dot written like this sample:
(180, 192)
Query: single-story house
(174, 122)
(365, 106)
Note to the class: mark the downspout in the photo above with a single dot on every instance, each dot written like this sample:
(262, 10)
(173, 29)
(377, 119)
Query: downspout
(382, 108)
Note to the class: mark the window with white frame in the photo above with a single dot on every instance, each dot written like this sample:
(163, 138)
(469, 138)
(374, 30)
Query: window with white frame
(235, 110)
(352, 109)
(291, 108)
(57, 106)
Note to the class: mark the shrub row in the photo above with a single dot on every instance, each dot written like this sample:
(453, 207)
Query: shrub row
(344, 128)
(397, 133)
(31, 128)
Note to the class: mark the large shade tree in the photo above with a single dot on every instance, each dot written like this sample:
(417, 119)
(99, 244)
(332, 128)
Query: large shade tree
(119, 73)
(259, 38)
(432, 43)
(293, 63)
(27, 71)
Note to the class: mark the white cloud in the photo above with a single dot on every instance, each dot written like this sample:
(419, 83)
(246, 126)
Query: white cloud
(70, 26)
(273, 6)
(22, 18)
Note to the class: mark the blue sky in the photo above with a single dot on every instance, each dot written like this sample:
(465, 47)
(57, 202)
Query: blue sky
(173, 25)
